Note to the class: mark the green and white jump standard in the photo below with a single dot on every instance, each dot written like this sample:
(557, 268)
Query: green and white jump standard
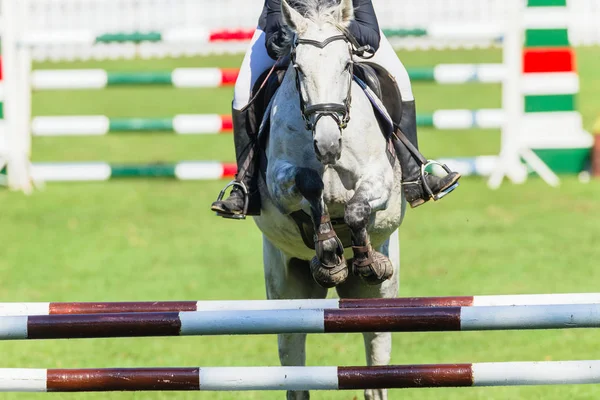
(15, 309)
(543, 126)
(253, 322)
(300, 378)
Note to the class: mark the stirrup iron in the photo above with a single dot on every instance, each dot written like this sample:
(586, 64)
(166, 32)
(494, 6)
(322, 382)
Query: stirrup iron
(443, 193)
(244, 189)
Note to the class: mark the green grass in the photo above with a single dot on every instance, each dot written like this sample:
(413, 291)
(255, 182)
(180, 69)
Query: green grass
(155, 240)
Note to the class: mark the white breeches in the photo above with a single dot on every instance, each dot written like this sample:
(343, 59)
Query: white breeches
(388, 59)
(257, 60)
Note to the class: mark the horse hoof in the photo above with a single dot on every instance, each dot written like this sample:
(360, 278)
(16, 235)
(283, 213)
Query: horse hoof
(379, 271)
(331, 275)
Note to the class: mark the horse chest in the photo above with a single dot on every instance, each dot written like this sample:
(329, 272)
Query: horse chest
(338, 187)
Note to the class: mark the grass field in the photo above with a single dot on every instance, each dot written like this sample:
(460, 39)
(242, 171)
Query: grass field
(155, 240)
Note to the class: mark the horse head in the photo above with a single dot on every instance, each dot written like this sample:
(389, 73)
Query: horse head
(321, 57)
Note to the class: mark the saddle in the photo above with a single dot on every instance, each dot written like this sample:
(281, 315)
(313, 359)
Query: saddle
(375, 77)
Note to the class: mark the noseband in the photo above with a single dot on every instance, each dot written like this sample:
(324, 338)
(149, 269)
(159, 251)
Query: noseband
(339, 112)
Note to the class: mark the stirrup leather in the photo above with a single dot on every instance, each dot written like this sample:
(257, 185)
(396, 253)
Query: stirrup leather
(442, 194)
(244, 189)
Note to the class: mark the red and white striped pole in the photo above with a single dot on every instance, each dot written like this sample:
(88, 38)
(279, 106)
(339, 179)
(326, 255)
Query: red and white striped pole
(301, 378)
(260, 322)
(24, 309)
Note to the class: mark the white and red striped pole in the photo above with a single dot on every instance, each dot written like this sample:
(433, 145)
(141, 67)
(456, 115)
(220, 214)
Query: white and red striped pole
(23, 309)
(236, 322)
(301, 378)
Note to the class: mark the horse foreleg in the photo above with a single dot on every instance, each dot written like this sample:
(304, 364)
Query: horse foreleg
(329, 267)
(372, 266)
(378, 345)
(287, 278)
(288, 186)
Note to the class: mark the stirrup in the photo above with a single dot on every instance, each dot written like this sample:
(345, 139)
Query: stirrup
(244, 189)
(443, 193)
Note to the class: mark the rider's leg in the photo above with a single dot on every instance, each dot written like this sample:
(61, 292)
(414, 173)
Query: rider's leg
(256, 61)
(414, 189)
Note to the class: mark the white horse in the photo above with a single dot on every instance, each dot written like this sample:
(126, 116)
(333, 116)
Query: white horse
(327, 157)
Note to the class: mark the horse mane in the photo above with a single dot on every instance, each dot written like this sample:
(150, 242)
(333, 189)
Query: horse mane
(320, 12)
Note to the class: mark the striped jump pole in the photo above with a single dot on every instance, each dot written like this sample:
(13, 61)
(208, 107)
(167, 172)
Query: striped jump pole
(301, 378)
(14, 309)
(252, 322)
(469, 166)
(484, 31)
(462, 119)
(72, 79)
(202, 35)
(99, 78)
(85, 37)
(98, 125)
(100, 171)
(202, 124)
(458, 73)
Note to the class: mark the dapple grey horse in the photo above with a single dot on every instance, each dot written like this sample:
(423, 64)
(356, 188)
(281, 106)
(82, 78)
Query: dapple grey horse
(327, 156)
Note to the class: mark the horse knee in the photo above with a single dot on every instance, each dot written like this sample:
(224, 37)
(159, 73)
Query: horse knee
(357, 215)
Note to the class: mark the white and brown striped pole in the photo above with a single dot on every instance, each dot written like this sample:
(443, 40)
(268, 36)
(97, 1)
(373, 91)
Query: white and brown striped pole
(300, 378)
(13, 309)
(300, 321)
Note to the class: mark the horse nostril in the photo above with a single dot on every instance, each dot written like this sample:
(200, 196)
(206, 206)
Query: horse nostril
(340, 143)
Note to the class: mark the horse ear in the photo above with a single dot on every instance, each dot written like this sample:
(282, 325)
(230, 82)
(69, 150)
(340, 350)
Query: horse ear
(346, 12)
(292, 18)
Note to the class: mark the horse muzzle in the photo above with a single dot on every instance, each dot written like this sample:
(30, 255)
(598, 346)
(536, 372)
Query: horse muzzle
(329, 152)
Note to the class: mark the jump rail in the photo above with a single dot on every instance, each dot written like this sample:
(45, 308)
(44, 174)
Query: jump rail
(252, 322)
(212, 124)
(101, 171)
(300, 378)
(72, 79)
(15, 309)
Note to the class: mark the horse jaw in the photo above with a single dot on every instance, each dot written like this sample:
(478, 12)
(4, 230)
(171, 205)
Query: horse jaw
(327, 140)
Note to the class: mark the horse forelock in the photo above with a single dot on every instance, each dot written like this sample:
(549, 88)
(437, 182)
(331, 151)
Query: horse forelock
(320, 12)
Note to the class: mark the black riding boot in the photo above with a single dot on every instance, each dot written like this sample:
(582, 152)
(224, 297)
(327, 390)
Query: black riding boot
(414, 184)
(245, 188)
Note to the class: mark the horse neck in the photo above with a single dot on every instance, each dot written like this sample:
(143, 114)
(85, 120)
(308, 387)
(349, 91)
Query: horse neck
(288, 85)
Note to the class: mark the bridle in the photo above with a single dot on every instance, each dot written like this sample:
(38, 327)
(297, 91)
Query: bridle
(340, 112)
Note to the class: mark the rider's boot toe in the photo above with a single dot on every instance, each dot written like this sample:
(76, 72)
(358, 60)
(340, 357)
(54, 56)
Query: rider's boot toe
(415, 192)
(233, 205)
